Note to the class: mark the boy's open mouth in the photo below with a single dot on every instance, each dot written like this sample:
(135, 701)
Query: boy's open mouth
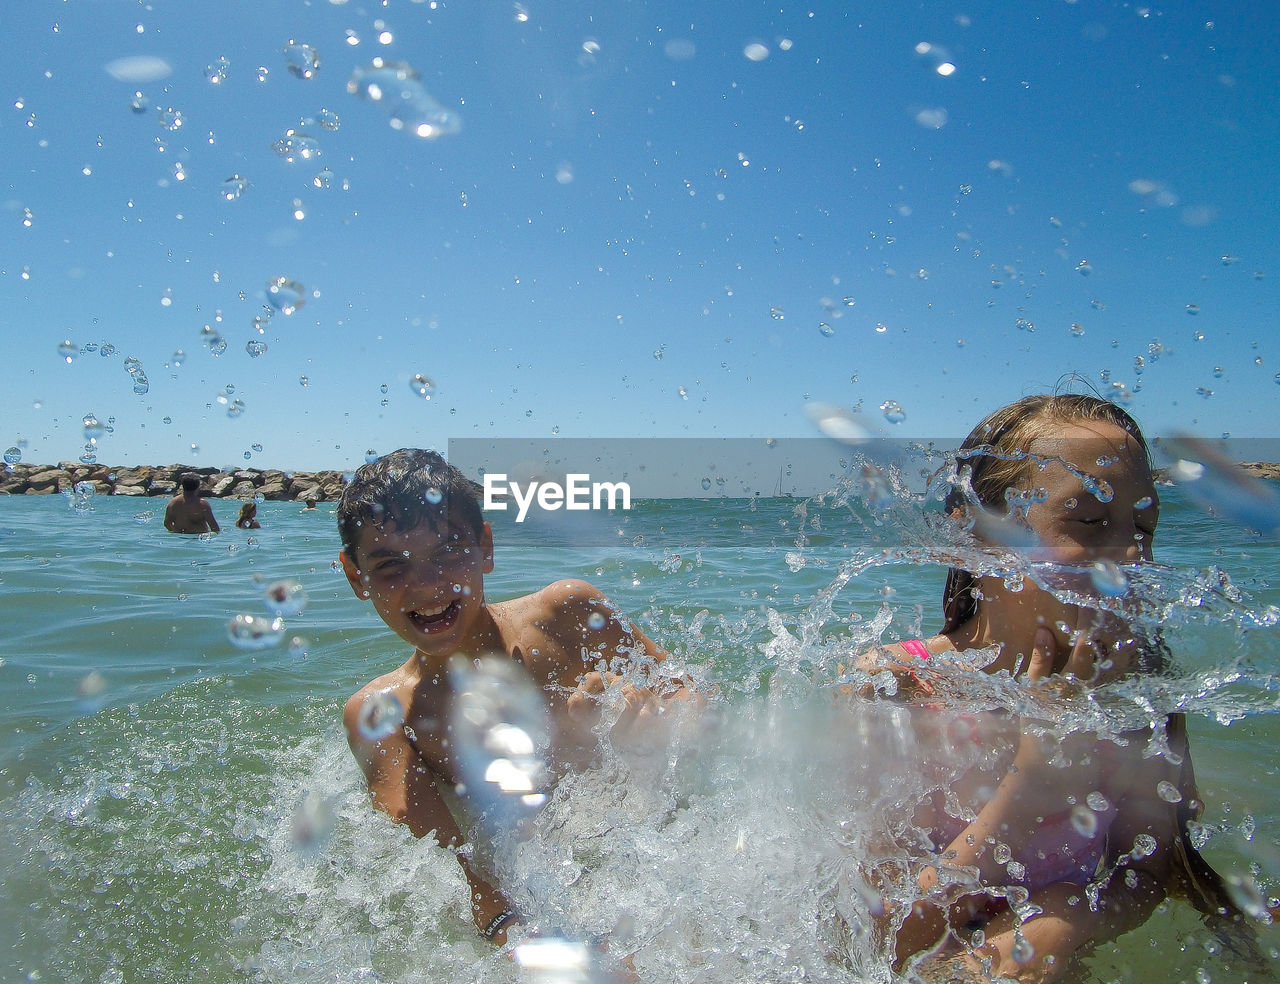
(435, 619)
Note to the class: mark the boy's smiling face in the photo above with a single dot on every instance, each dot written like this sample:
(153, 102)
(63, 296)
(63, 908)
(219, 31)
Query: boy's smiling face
(426, 584)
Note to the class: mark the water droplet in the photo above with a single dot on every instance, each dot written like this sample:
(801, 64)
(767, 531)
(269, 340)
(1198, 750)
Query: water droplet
(93, 427)
(1109, 579)
(1022, 951)
(255, 347)
(595, 621)
(139, 103)
(837, 423)
(313, 824)
(1168, 792)
(381, 716)
(1144, 845)
(12, 456)
(657, 354)
(521, 13)
(755, 52)
(170, 119)
(881, 328)
(327, 119)
(684, 393)
(286, 295)
(303, 381)
(706, 484)
(1097, 802)
(323, 179)
(1100, 488)
(177, 359)
(423, 386)
(296, 145)
(1218, 372)
(777, 314)
(893, 411)
(301, 60)
(397, 88)
(68, 350)
(234, 186)
(1193, 309)
(1077, 330)
(255, 632)
(826, 329)
(499, 732)
(1083, 268)
(285, 597)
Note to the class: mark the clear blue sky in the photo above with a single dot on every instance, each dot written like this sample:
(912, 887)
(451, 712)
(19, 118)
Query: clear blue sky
(707, 180)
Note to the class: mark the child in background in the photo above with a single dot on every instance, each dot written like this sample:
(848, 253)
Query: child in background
(1073, 472)
(248, 518)
(415, 544)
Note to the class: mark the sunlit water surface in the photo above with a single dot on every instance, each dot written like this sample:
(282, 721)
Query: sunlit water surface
(176, 807)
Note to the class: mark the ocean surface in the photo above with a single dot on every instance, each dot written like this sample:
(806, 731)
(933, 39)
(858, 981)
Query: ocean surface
(176, 807)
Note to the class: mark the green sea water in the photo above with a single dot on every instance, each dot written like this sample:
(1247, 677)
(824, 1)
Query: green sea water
(154, 777)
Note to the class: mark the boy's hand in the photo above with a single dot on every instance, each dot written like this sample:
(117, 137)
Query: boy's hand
(643, 707)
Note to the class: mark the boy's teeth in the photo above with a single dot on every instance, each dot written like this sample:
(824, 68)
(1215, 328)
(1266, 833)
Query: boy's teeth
(433, 612)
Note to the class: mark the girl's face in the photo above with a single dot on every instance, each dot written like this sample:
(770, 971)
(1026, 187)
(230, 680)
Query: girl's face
(1109, 515)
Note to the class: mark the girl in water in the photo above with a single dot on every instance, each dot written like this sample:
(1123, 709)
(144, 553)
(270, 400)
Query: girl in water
(248, 518)
(1047, 846)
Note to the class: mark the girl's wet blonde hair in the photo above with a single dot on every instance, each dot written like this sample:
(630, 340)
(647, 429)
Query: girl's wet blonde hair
(995, 457)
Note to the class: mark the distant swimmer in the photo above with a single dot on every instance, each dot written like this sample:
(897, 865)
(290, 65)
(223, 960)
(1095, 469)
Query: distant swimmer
(248, 518)
(188, 513)
(310, 506)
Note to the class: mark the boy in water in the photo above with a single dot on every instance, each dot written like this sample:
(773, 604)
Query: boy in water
(415, 544)
(187, 512)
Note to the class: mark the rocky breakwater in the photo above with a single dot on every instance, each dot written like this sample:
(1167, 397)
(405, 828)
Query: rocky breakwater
(165, 480)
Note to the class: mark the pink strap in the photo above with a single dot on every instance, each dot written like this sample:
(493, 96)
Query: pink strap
(915, 648)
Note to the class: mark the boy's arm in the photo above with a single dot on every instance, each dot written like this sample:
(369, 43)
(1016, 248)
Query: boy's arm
(404, 787)
(585, 622)
(210, 518)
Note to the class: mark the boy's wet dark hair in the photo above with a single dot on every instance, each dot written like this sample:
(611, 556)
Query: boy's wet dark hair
(405, 488)
(190, 483)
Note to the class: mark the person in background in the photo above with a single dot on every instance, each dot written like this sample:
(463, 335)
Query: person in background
(188, 512)
(248, 518)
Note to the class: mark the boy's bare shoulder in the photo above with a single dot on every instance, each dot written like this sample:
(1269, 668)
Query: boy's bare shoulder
(394, 682)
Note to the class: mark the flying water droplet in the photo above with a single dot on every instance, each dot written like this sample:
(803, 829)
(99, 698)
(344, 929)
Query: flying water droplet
(255, 347)
(500, 735)
(234, 186)
(68, 350)
(422, 386)
(706, 484)
(285, 295)
(1084, 268)
(82, 494)
(302, 60)
(893, 411)
(381, 716)
(596, 621)
(313, 824)
(255, 632)
(1109, 579)
(93, 427)
(12, 456)
(304, 381)
(285, 597)
(1097, 802)
(171, 119)
(296, 145)
(1168, 792)
(837, 423)
(1084, 821)
(397, 88)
